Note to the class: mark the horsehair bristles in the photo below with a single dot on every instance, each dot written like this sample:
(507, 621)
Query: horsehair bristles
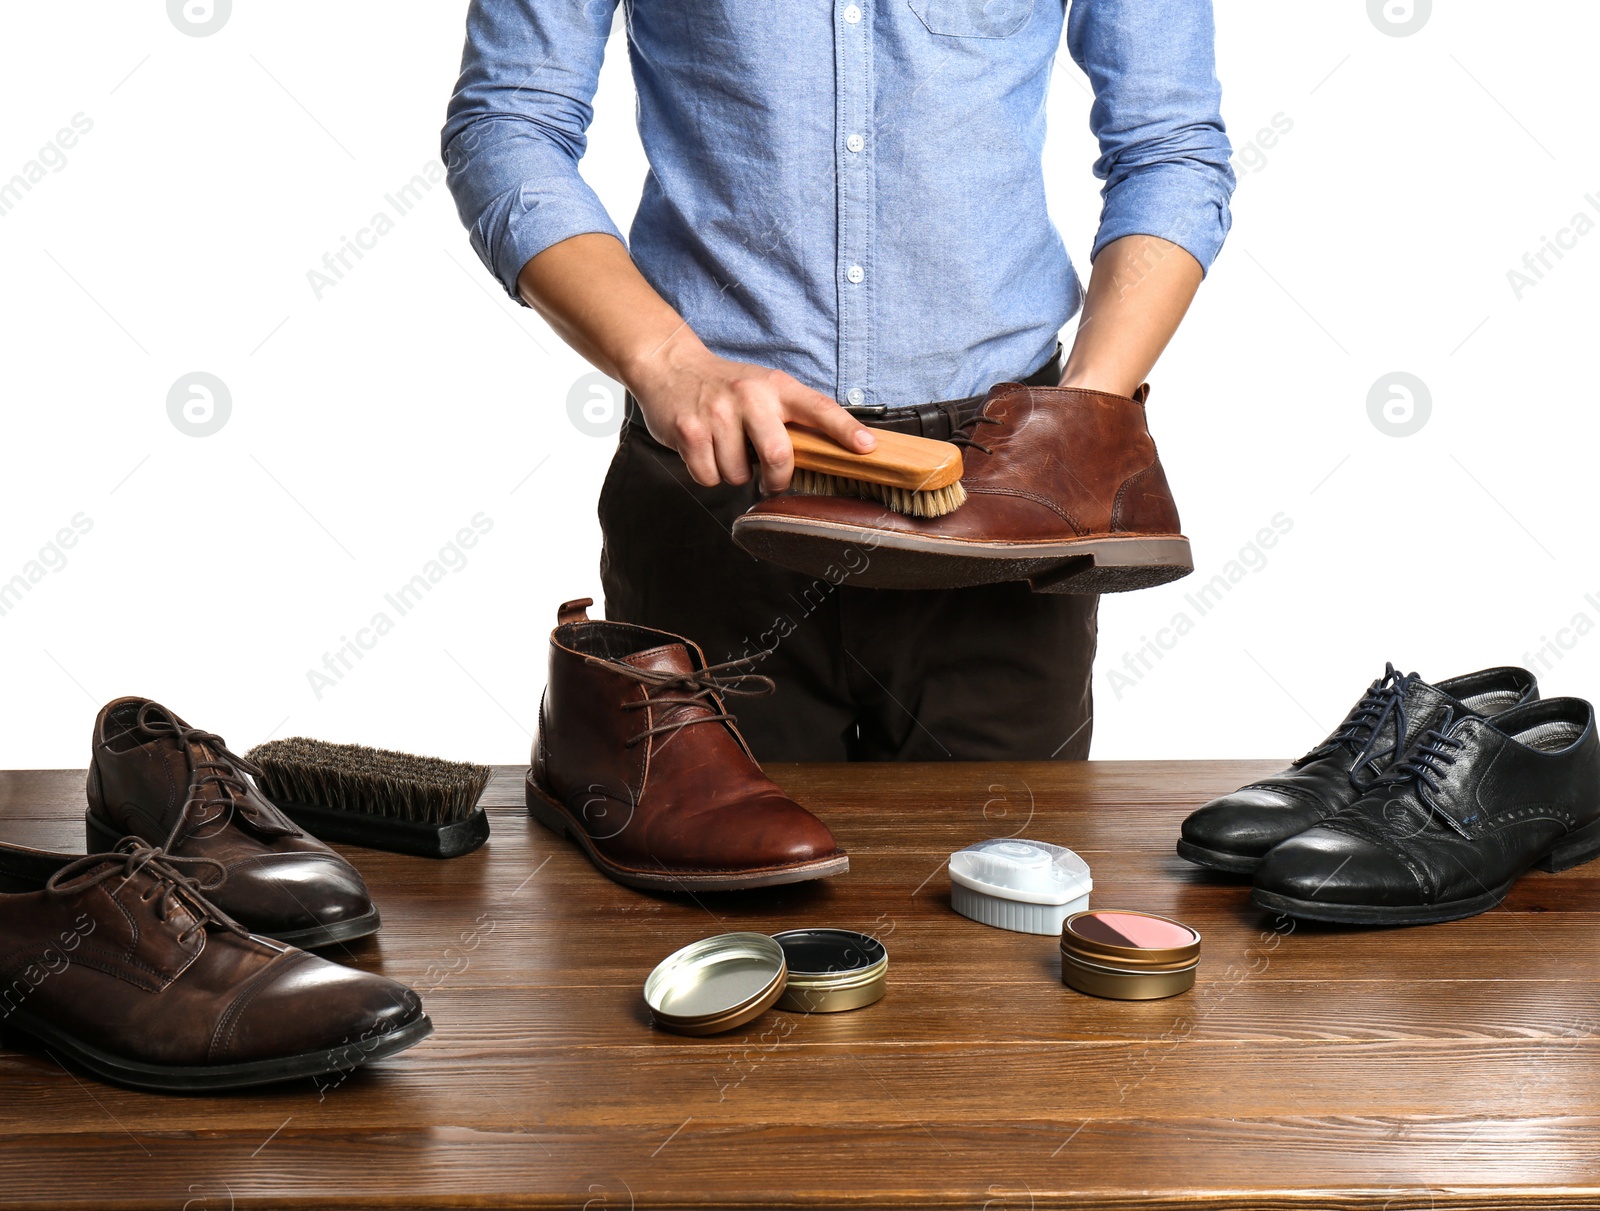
(902, 500)
(372, 781)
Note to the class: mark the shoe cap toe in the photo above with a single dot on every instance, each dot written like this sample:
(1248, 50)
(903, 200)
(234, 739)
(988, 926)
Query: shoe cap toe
(1324, 865)
(1248, 822)
(290, 892)
(311, 1004)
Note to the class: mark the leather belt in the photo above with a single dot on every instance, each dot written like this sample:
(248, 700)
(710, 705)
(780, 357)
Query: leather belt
(941, 418)
(938, 419)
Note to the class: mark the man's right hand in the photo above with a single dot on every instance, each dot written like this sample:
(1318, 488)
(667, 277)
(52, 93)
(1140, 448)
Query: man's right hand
(703, 406)
(708, 408)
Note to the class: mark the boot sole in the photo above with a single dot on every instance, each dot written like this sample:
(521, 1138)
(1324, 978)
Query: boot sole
(1572, 850)
(1218, 859)
(551, 813)
(1118, 564)
(101, 839)
(173, 1078)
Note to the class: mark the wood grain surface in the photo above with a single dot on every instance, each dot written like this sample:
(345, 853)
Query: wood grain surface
(1450, 1066)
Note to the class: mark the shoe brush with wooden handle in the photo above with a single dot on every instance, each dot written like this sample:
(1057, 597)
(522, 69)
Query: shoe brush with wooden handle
(917, 476)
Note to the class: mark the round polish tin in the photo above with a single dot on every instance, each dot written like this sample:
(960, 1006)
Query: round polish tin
(716, 984)
(831, 970)
(1128, 956)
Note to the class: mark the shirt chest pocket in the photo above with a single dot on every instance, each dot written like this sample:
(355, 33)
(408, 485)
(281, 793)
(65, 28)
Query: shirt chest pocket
(973, 18)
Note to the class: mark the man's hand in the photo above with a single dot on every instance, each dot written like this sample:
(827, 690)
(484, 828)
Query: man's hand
(707, 408)
(701, 405)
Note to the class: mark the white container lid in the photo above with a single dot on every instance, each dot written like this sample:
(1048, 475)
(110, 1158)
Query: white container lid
(1025, 886)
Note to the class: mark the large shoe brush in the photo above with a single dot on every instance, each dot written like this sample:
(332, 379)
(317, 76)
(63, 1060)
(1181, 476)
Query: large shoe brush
(917, 476)
(375, 798)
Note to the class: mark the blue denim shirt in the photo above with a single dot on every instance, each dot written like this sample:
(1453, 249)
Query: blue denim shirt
(849, 190)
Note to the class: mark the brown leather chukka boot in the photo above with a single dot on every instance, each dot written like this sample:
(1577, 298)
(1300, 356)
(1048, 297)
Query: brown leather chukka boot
(1064, 489)
(638, 761)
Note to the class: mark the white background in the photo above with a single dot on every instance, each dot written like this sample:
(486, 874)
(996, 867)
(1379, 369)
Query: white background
(370, 425)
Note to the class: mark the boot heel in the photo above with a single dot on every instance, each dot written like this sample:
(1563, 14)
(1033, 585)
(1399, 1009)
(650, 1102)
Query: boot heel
(1573, 850)
(542, 809)
(102, 838)
(1118, 565)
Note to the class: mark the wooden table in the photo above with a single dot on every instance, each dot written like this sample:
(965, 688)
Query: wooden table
(1442, 1067)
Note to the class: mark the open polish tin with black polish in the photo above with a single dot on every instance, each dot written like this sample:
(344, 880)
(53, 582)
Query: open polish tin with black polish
(1128, 956)
(716, 984)
(831, 970)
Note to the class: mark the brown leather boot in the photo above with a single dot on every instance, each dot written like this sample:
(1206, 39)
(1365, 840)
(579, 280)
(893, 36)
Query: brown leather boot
(154, 777)
(639, 763)
(1064, 489)
(119, 961)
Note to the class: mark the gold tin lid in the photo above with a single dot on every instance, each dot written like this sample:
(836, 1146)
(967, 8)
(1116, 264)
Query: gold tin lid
(1119, 941)
(716, 984)
(1115, 937)
(832, 970)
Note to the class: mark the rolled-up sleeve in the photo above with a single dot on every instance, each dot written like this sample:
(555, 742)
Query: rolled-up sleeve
(516, 128)
(1164, 151)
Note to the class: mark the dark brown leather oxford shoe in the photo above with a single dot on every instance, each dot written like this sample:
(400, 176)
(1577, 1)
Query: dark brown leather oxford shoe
(638, 761)
(1064, 490)
(120, 962)
(154, 777)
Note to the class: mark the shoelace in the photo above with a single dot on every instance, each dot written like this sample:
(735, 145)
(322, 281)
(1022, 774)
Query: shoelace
(1433, 753)
(229, 790)
(1383, 701)
(170, 887)
(962, 438)
(701, 687)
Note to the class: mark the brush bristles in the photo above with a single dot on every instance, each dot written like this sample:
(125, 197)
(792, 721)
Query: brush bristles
(902, 500)
(371, 781)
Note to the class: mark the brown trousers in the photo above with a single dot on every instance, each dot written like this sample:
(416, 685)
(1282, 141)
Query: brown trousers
(996, 673)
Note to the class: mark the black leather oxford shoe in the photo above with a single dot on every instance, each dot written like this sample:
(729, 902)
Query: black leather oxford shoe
(1470, 807)
(1235, 832)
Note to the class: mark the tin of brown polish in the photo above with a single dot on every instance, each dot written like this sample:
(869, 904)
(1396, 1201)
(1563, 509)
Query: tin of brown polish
(716, 984)
(832, 970)
(1128, 956)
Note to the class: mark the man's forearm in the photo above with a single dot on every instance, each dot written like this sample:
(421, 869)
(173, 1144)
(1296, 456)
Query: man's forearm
(588, 289)
(1139, 290)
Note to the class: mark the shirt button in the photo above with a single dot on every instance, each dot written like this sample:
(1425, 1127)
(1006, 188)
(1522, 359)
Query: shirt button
(855, 273)
(855, 395)
(855, 142)
(852, 14)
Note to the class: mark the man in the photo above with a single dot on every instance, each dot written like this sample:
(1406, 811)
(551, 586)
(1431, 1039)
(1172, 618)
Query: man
(844, 221)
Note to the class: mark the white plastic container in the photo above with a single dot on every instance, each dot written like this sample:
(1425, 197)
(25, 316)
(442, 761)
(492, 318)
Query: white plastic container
(1023, 886)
